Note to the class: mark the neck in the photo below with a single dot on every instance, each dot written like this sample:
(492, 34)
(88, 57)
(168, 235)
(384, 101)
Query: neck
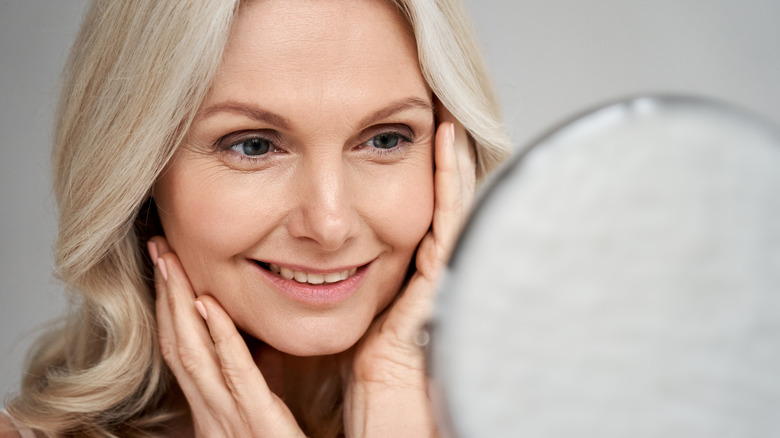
(301, 382)
(305, 384)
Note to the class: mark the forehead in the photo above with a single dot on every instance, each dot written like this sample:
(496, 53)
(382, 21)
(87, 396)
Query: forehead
(319, 51)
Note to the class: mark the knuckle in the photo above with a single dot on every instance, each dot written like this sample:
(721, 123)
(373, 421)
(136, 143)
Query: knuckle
(219, 338)
(189, 359)
(232, 377)
(168, 352)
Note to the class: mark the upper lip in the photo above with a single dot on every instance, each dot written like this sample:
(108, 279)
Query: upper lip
(309, 269)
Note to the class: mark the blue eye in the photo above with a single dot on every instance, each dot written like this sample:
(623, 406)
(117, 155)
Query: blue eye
(387, 140)
(252, 147)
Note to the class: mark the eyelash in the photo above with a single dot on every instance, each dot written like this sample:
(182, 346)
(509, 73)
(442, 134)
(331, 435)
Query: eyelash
(226, 144)
(404, 140)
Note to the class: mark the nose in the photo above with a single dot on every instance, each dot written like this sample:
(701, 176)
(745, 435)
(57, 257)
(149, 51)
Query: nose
(325, 213)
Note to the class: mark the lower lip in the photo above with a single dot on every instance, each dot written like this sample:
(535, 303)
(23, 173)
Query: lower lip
(325, 294)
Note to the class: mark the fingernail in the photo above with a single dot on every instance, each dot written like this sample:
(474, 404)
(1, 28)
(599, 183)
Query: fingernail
(163, 269)
(201, 309)
(152, 247)
(451, 132)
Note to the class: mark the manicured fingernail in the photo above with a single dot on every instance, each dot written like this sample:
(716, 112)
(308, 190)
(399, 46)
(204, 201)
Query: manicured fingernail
(152, 251)
(201, 309)
(163, 269)
(451, 132)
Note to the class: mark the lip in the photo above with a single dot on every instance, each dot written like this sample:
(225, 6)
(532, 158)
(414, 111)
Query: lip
(315, 294)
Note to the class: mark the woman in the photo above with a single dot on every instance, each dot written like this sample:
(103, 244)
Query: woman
(286, 152)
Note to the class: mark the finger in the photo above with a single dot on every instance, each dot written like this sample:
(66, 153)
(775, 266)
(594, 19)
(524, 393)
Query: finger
(192, 359)
(260, 408)
(201, 372)
(464, 147)
(467, 169)
(449, 206)
(464, 182)
(168, 345)
(413, 307)
(157, 245)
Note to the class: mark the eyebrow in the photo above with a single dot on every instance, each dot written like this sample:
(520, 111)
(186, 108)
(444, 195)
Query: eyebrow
(397, 107)
(261, 115)
(247, 110)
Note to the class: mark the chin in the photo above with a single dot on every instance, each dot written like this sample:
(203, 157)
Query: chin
(315, 340)
(314, 346)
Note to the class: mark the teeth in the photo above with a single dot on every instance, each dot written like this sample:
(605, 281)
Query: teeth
(334, 277)
(310, 278)
(286, 273)
(315, 278)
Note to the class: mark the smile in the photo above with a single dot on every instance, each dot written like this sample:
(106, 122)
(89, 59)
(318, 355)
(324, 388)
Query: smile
(308, 277)
(320, 288)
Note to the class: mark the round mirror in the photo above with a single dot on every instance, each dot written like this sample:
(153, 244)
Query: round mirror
(620, 278)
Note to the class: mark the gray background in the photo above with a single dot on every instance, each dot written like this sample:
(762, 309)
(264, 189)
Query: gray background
(550, 59)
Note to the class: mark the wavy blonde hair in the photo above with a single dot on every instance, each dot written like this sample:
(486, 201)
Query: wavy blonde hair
(134, 80)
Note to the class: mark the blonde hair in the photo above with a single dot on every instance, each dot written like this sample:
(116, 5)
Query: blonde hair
(454, 69)
(135, 78)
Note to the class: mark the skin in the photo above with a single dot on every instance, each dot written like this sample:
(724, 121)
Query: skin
(323, 197)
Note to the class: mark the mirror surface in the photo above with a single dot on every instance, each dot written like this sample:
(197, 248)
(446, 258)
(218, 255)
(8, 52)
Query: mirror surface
(620, 278)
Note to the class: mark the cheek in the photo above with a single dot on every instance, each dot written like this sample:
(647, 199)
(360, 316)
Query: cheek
(208, 217)
(400, 204)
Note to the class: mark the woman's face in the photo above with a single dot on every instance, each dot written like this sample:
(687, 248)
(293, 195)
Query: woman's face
(311, 157)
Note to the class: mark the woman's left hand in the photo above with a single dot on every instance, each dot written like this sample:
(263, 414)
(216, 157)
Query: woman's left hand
(387, 390)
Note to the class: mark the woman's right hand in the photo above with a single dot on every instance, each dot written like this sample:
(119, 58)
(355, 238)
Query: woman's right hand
(227, 394)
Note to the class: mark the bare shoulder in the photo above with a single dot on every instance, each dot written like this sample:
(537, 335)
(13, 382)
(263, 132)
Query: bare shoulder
(7, 428)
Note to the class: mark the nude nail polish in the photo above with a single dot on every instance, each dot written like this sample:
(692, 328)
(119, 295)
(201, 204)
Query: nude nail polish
(152, 247)
(163, 269)
(451, 132)
(201, 309)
